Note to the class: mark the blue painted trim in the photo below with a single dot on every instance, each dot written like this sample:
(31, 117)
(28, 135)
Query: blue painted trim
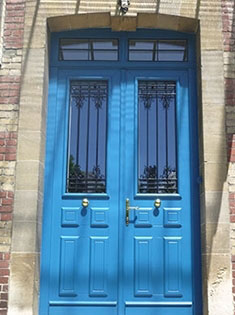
(155, 304)
(48, 193)
(162, 196)
(66, 135)
(84, 195)
(82, 303)
(121, 309)
(195, 193)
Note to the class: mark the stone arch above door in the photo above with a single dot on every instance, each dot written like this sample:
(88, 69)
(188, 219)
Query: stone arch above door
(123, 23)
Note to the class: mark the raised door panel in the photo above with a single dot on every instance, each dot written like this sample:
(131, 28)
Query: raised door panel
(99, 260)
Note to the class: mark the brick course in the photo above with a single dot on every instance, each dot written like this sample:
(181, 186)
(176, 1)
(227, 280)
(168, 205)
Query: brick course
(10, 78)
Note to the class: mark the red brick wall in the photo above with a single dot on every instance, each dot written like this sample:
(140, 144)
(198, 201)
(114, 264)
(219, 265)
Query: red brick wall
(228, 19)
(10, 77)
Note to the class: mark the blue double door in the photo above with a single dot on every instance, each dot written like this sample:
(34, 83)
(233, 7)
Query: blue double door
(118, 234)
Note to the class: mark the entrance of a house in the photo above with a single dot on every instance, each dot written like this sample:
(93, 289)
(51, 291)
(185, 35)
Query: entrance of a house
(121, 215)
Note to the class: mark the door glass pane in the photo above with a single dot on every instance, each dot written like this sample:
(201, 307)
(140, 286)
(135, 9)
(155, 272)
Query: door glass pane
(88, 49)
(172, 50)
(86, 171)
(157, 50)
(157, 171)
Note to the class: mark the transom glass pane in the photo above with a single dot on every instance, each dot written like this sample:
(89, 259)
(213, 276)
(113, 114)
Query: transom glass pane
(157, 169)
(87, 137)
(88, 49)
(157, 50)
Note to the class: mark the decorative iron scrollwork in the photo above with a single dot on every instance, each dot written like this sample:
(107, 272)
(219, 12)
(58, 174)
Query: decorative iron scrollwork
(98, 97)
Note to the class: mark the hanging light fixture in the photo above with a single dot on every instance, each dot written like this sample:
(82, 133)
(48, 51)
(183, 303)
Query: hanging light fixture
(124, 4)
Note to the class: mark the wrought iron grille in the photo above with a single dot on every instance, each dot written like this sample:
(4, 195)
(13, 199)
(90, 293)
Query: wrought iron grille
(157, 169)
(87, 137)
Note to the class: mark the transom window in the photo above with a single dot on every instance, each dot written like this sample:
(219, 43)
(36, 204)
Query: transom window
(88, 49)
(157, 50)
(80, 49)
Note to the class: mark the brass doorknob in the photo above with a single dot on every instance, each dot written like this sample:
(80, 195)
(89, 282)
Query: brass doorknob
(157, 203)
(85, 202)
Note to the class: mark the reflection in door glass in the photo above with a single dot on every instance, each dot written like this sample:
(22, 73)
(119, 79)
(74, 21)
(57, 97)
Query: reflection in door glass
(86, 171)
(88, 49)
(157, 50)
(157, 171)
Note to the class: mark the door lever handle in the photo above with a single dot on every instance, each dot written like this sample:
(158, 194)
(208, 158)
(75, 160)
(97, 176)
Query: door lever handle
(128, 208)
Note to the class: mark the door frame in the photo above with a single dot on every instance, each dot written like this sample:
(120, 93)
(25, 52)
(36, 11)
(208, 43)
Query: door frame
(190, 67)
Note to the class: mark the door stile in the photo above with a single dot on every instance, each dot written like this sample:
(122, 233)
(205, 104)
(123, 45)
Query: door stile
(48, 192)
(195, 191)
(122, 190)
(58, 165)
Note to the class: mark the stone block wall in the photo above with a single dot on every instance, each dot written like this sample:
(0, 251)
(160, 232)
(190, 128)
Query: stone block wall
(228, 18)
(12, 22)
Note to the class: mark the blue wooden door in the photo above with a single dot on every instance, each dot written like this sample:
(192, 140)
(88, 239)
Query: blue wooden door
(118, 138)
(83, 252)
(156, 252)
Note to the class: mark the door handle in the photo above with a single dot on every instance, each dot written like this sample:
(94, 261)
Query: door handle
(85, 203)
(128, 208)
(157, 204)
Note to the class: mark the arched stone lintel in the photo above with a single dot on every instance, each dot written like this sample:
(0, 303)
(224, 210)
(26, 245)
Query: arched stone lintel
(123, 23)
